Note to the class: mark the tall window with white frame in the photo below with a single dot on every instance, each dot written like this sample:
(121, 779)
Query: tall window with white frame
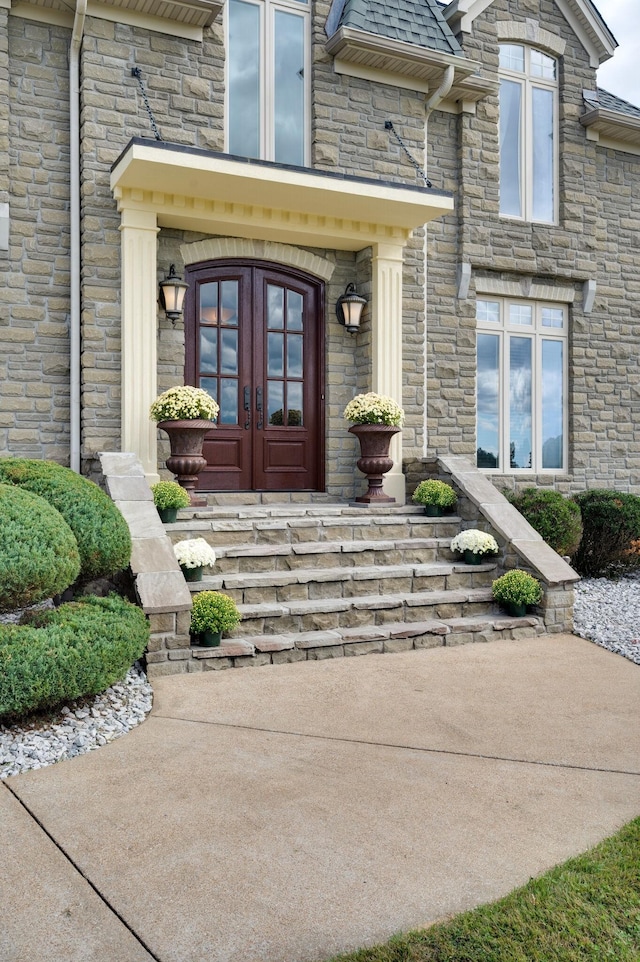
(528, 134)
(521, 386)
(268, 74)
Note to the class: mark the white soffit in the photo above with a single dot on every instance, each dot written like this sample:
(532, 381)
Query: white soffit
(612, 129)
(371, 56)
(581, 16)
(202, 190)
(185, 18)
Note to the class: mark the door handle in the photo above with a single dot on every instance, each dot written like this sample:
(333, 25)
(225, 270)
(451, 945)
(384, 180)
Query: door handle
(247, 407)
(259, 406)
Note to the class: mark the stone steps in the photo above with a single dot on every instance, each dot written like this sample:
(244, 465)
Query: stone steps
(310, 584)
(240, 559)
(223, 531)
(321, 614)
(324, 580)
(363, 640)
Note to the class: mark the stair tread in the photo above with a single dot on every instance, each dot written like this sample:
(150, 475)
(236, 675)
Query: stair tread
(345, 636)
(457, 596)
(305, 576)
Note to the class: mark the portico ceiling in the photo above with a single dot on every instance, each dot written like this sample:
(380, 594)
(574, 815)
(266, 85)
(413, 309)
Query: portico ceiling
(194, 189)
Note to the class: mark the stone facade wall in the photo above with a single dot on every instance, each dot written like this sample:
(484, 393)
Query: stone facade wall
(596, 238)
(34, 287)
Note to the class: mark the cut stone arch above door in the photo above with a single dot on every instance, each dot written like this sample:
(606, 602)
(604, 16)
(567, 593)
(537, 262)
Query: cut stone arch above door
(220, 248)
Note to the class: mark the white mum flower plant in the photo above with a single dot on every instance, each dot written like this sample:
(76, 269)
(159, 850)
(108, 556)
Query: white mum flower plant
(194, 553)
(184, 403)
(374, 408)
(473, 540)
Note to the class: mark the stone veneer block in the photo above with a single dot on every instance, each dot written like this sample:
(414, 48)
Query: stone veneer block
(508, 522)
(415, 628)
(271, 642)
(143, 519)
(123, 464)
(316, 639)
(128, 488)
(152, 554)
(229, 648)
(552, 568)
(163, 591)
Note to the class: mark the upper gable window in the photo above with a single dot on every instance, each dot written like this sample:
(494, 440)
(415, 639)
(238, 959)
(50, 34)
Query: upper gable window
(528, 133)
(268, 70)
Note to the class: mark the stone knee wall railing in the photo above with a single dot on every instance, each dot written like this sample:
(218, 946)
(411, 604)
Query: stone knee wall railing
(159, 584)
(482, 506)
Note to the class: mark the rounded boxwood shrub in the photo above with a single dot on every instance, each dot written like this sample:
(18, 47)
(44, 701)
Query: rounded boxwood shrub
(38, 553)
(102, 534)
(555, 518)
(78, 649)
(611, 540)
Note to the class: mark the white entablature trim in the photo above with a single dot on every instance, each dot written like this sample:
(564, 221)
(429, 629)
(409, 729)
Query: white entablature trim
(582, 17)
(530, 32)
(220, 248)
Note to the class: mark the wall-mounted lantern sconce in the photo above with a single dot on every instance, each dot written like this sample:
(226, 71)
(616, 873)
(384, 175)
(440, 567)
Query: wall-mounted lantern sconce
(349, 308)
(172, 291)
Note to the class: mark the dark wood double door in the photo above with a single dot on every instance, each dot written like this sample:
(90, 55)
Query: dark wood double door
(254, 342)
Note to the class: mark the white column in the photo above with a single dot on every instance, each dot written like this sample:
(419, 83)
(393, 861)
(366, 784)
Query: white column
(139, 337)
(386, 316)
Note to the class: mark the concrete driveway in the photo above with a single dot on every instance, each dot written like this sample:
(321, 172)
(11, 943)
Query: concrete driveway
(296, 811)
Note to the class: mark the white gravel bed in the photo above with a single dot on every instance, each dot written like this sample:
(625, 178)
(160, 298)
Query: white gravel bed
(608, 613)
(79, 727)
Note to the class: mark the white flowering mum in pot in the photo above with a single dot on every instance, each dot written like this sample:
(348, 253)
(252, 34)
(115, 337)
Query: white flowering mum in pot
(474, 545)
(194, 554)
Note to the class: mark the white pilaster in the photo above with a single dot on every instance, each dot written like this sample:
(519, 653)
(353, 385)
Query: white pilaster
(139, 336)
(386, 317)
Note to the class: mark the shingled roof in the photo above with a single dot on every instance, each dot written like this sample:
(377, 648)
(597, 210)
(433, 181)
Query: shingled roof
(412, 21)
(611, 102)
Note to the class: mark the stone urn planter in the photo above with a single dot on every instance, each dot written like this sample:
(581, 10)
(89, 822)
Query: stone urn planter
(186, 438)
(374, 461)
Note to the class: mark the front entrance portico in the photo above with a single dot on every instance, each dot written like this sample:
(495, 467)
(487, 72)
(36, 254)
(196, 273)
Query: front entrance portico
(163, 185)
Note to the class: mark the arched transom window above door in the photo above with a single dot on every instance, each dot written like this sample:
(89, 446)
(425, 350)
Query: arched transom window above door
(268, 79)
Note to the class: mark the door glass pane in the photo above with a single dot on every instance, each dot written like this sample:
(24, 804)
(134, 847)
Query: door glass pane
(295, 414)
(229, 305)
(294, 311)
(228, 401)
(209, 350)
(275, 307)
(210, 384)
(552, 403)
(208, 303)
(244, 78)
(294, 355)
(543, 174)
(488, 400)
(275, 357)
(520, 402)
(289, 88)
(510, 160)
(229, 352)
(275, 402)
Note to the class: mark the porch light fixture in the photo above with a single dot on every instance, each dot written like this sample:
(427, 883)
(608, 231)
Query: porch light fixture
(172, 291)
(349, 308)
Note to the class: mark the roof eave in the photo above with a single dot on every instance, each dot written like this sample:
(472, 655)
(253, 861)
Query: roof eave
(403, 59)
(612, 125)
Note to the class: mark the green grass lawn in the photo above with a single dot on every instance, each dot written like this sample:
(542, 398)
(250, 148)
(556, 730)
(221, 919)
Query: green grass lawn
(586, 909)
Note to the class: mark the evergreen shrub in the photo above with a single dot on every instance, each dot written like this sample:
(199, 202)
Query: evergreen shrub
(610, 543)
(555, 518)
(78, 649)
(102, 534)
(38, 553)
